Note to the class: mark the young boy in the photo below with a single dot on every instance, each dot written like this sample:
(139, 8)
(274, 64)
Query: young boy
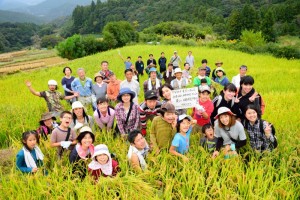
(63, 137)
(163, 128)
(208, 142)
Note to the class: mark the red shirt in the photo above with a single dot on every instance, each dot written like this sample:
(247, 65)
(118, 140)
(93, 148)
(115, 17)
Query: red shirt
(97, 173)
(209, 107)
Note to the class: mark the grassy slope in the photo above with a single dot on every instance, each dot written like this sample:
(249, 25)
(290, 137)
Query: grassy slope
(273, 177)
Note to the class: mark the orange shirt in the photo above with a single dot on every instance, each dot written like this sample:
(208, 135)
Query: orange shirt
(113, 90)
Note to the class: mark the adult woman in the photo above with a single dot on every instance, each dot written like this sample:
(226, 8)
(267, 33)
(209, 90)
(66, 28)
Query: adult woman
(226, 99)
(165, 92)
(229, 132)
(83, 150)
(247, 95)
(47, 124)
(104, 114)
(221, 76)
(260, 132)
(127, 112)
(138, 150)
(80, 118)
(98, 89)
(66, 83)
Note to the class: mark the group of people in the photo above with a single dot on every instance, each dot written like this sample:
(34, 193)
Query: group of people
(221, 122)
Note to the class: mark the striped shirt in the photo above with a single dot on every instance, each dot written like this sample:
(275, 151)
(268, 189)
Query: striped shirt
(146, 113)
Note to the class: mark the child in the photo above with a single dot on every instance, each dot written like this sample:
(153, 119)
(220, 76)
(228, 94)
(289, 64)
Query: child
(208, 142)
(181, 141)
(30, 158)
(63, 137)
(104, 115)
(47, 123)
(163, 128)
(102, 164)
(138, 150)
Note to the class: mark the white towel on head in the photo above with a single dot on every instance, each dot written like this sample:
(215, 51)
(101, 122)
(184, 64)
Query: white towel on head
(29, 159)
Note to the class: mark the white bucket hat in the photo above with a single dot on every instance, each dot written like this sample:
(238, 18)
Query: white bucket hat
(222, 110)
(77, 104)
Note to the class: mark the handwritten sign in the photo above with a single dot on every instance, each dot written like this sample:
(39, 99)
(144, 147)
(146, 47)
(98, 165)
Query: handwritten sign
(184, 98)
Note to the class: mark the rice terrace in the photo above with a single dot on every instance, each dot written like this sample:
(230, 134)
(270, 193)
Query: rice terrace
(274, 175)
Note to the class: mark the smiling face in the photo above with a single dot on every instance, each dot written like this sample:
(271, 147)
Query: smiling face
(225, 119)
(209, 133)
(99, 79)
(52, 87)
(246, 88)
(48, 122)
(228, 95)
(102, 159)
(102, 107)
(169, 117)
(87, 140)
(66, 120)
(128, 76)
(81, 74)
(78, 112)
(185, 125)
(104, 66)
(220, 73)
(204, 96)
(139, 142)
(178, 75)
(251, 115)
(243, 72)
(201, 72)
(152, 75)
(166, 92)
(31, 141)
(151, 103)
(67, 72)
(126, 98)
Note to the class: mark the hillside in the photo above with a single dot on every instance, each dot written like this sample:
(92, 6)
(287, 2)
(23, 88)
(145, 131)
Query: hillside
(11, 16)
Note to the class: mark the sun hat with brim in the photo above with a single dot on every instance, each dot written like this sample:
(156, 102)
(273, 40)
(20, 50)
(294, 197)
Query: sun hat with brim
(125, 91)
(85, 129)
(219, 62)
(177, 70)
(52, 82)
(219, 69)
(100, 149)
(184, 116)
(98, 75)
(223, 110)
(77, 104)
(46, 116)
(203, 88)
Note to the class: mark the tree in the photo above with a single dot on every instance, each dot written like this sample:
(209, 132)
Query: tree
(249, 18)
(71, 48)
(267, 28)
(50, 41)
(234, 25)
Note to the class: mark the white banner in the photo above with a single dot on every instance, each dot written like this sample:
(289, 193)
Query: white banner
(185, 98)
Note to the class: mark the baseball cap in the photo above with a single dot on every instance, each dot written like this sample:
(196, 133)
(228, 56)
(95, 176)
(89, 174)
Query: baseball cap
(150, 94)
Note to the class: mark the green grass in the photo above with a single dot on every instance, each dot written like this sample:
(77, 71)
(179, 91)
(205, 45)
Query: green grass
(275, 176)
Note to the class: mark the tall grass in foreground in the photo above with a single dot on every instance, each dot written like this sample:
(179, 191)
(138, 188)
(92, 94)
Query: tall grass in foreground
(274, 176)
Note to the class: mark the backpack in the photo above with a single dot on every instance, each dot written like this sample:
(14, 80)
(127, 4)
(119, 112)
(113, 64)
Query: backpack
(220, 99)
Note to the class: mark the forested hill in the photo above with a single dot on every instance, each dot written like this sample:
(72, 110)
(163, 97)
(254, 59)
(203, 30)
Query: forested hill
(92, 18)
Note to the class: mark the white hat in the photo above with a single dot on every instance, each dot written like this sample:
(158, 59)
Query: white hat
(177, 70)
(52, 82)
(101, 149)
(203, 88)
(85, 129)
(77, 104)
(184, 116)
(224, 110)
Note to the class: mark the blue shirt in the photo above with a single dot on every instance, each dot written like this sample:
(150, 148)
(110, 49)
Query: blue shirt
(182, 143)
(84, 90)
(21, 164)
(127, 64)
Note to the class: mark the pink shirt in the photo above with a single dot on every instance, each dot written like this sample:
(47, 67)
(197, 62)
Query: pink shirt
(108, 120)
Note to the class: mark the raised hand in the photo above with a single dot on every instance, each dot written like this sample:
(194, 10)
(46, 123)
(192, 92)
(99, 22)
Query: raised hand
(28, 83)
(268, 130)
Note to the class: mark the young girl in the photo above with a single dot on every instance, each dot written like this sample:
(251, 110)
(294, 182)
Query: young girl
(30, 158)
(209, 141)
(102, 164)
(127, 112)
(260, 132)
(79, 116)
(104, 114)
(99, 88)
(229, 132)
(47, 124)
(138, 150)
(181, 141)
(220, 76)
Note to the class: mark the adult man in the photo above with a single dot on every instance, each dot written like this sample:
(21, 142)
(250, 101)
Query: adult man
(179, 82)
(83, 85)
(130, 83)
(237, 79)
(113, 88)
(139, 66)
(153, 83)
(175, 60)
(190, 59)
(162, 62)
(169, 74)
(201, 75)
(51, 96)
(148, 109)
(105, 72)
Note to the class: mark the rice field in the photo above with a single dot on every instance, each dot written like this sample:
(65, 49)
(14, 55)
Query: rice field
(274, 176)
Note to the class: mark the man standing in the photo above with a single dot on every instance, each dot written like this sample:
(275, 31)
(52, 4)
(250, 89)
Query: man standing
(153, 83)
(83, 85)
(130, 83)
(190, 59)
(105, 72)
(139, 66)
(236, 79)
(162, 62)
(175, 60)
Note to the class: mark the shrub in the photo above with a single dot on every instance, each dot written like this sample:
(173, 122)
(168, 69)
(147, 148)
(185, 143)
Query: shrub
(252, 39)
(71, 48)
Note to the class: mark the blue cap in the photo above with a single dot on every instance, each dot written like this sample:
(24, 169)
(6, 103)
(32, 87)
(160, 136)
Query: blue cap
(152, 69)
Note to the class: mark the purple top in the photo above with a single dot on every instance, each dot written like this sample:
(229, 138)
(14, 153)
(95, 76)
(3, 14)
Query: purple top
(66, 83)
(108, 120)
